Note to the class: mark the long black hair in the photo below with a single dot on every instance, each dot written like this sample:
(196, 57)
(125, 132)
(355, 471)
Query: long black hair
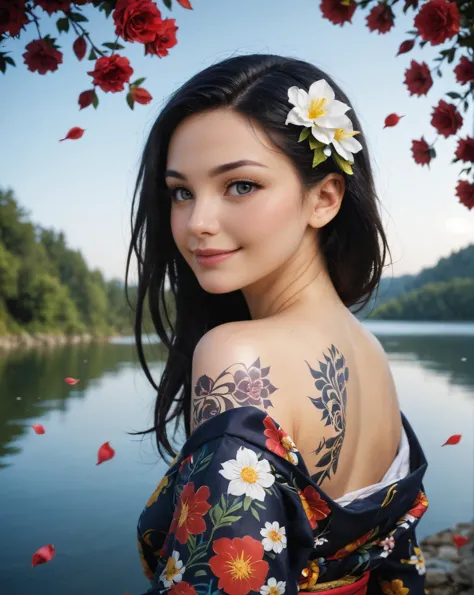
(353, 244)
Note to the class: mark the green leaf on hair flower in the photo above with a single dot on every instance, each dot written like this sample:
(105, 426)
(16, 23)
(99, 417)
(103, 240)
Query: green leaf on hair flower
(315, 144)
(343, 164)
(319, 157)
(304, 135)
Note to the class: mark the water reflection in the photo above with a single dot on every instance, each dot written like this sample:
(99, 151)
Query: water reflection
(32, 382)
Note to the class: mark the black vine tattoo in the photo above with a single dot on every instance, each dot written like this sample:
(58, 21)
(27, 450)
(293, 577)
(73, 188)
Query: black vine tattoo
(331, 380)
(245, 386)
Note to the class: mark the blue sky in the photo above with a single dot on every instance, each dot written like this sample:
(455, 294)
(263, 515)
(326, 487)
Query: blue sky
(85, 187)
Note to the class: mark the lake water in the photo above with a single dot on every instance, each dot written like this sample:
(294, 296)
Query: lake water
(52, 491)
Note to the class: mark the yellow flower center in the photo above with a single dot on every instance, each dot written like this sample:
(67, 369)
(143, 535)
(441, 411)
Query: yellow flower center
(249, 475)
(287, 443)
(171, 570)
(273, 591)
(316, 108)
(274, 535)
(184, 514)
(239, 568)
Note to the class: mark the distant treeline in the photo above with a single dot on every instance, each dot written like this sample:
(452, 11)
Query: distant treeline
(47, 287)
(442, 292)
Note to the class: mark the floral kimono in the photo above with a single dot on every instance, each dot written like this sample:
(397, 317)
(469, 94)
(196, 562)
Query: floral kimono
(237, 513)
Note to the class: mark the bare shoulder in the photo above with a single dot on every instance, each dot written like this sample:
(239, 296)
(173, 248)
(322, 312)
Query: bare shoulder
(248, 363)
(230, 370)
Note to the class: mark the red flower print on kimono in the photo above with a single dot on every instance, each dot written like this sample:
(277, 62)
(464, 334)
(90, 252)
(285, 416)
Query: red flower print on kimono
(419, 506)
(348, 549)
(239, 565)
(314, 506)
(279, 442)
(189, 512)
(182, 588)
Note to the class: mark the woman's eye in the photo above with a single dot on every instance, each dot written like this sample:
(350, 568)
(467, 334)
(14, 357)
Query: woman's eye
(244, 187)
(174, 192)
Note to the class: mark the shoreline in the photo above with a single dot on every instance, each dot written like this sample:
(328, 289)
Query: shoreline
(449, 569)
(26, 340)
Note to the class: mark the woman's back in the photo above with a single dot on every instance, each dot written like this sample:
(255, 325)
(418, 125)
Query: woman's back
(345, 445)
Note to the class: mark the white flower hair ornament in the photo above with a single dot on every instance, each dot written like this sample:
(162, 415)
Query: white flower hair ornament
(325, 123)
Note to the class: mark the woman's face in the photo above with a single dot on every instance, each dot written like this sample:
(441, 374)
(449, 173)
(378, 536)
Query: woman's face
(220, 200)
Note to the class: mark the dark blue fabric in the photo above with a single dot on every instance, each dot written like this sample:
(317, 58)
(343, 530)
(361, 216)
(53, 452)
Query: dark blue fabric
(237, 512)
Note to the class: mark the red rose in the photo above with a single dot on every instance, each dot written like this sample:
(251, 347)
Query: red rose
(437, 21)
(464, 71)
(42, 56)
(421, 152)
(51, 6)
(164, 40)
(418, 78)
(337, 12)
(465, 191)
(189, 512)
(446, 118)
(12, 16)
(406, 46)
(380, 18)
(239, 565)
(136, 20)
(465, 149)
(111, 72)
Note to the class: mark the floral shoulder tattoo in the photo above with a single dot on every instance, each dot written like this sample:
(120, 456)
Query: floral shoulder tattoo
(243, 386)
(331, 381)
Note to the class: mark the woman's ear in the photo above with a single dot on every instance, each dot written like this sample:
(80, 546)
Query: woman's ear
(324, 200)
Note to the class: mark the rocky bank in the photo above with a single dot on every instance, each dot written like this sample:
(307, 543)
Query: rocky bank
(449, 569)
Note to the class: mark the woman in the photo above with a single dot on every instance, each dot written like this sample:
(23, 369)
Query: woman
(260, 159)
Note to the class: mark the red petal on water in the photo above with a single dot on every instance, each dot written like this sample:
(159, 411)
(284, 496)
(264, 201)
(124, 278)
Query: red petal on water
(44, 554)
(185, 4)
(71, 380)
(454, 439)
(74, 133)
(460, 540)
(392, 120)
(106, 452)
(38, 428)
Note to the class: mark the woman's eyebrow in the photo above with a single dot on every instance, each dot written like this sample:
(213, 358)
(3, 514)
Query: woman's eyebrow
(220, 169)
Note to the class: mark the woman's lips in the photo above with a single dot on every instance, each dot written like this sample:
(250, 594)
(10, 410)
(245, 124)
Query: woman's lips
(215, 258)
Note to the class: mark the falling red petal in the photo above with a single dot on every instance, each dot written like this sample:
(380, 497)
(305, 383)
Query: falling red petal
(460, 540)
(74, 133)
(392, 120)
(38, 428)
(71, 380)
(43, 555)
(454, 439)
(106, 452)
(185, 4)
